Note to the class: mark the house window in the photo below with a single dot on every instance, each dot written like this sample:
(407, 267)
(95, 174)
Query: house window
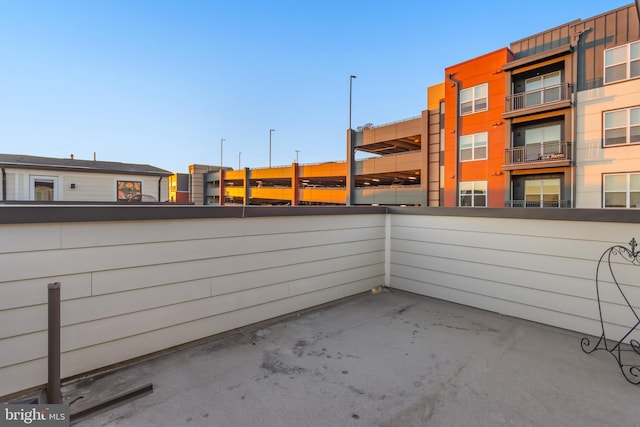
(621, 190)
(473, 193)
(129, 191)
(542, 89)
(474, 99)
(622, 62)
(43, 188)
(473, 147)
(622, 127)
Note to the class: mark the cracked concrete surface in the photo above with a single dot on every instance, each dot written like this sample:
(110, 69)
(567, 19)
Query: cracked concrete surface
(392, 359)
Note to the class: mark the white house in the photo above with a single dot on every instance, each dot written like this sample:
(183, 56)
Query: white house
(33, 178)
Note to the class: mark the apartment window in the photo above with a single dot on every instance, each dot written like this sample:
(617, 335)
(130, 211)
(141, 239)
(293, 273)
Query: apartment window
(43, 188)
(543, 142)
(622, 62)
(474, 99)
(542, 193)
(542, 89)
(473, 147)
(622, 190)
(473, 193)
(622, 127)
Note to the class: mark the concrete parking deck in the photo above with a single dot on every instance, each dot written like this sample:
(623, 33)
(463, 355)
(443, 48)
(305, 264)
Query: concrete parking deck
(392, 359)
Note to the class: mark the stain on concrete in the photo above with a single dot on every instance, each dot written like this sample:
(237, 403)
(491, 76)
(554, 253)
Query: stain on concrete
(355, 389)
(298, 349)
(272, 362)
(417, 414)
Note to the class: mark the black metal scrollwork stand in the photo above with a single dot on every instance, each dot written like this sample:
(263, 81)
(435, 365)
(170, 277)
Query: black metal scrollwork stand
(618, 349)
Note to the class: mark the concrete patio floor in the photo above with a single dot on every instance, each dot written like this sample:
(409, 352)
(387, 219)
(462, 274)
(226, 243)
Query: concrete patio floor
(392, 359)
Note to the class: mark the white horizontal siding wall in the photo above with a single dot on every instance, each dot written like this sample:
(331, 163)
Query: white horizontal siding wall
(592, 159)
(130, 288)
(89, 186)
(539, 270)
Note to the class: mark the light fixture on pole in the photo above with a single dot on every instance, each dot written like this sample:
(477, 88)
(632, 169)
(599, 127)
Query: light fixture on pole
(270, 132)
(351, 77)
(297, 151)
(239, 154)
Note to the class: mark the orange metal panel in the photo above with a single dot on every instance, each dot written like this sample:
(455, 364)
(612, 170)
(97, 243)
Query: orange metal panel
(435, 94)
(234, 174)
(278, 172)
(323, 195)
(234, 191)
(335, 169)
(272, 193)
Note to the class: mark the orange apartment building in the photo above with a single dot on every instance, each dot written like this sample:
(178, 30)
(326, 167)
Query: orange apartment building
(505, 129)
(474, 132)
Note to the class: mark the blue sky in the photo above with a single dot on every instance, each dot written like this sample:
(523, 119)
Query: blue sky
(162, 82)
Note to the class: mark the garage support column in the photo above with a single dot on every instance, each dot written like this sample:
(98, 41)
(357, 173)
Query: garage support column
(295, 191)
(221, 187)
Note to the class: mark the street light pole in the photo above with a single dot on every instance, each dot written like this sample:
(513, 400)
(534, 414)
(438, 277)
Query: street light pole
(297, 151)
(270, 132)
(221, 141)
(239, 154)
(351, 77)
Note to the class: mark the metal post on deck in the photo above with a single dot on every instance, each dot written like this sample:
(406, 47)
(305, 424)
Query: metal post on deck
(54, 394)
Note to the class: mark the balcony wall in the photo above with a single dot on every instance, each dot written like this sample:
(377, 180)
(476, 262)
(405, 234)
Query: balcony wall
(274, 193)
(388, 195)
(392, 131)
(133, 287)
(537, 265)
(323, 195)
(390, 163)
(137, 280)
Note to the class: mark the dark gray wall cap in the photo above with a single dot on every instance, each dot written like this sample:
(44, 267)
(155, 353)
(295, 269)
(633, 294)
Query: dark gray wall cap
(22, 214)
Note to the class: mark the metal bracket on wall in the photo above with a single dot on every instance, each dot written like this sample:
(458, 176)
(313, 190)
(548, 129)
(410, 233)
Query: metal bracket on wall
(626, 349)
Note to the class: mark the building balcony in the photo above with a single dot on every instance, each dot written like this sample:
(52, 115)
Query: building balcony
(541, 155)
(535, 101)
(273, 307)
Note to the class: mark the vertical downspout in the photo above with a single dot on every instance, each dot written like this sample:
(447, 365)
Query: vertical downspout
(160, 189)
(451, 78)
(574, 111)
(4, 185)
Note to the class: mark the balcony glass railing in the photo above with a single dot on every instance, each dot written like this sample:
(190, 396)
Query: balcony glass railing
(552, 151)
(535, 98)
